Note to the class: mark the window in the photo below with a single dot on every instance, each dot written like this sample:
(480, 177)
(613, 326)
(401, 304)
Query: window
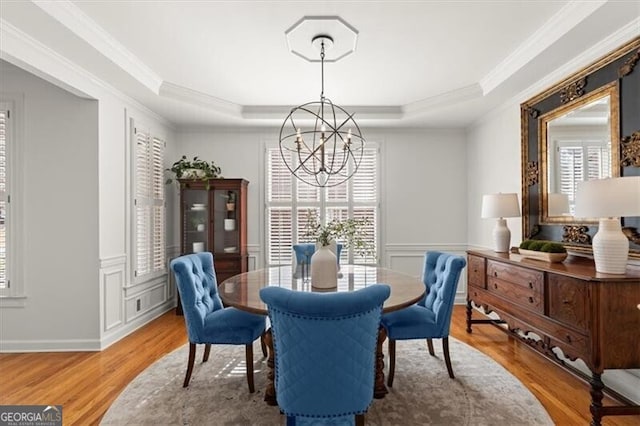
(580, 160)
(149, 206)
(289, 200)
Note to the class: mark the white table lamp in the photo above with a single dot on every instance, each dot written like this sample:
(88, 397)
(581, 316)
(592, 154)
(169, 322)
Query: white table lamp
(608, 200)
(501, 206)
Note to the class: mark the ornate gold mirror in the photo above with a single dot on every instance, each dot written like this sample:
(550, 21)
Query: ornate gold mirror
(576, 145)
(584, 127)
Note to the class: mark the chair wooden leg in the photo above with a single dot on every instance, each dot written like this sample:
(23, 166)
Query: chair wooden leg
(207, 350)
(392, 362)
(192, 358)
(263, 345)
(447, 359)
(359, 419)
(430, 346)
(249, 362)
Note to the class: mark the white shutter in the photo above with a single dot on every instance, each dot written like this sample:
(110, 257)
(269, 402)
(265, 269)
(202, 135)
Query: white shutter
(278, 177)
(365, 181)
(3, 200)
(356, 197)
(279, 227)
(149, 209)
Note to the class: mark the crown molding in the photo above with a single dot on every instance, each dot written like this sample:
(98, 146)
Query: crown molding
(385, 112)
(194, 97)
(561, 23)
(608, 44)
(452, 97)
(88, 30)
(22, 50)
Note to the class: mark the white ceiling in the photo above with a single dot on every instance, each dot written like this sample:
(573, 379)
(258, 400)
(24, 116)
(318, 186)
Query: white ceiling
(226, 63)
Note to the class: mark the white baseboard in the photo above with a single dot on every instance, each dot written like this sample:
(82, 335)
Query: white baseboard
(85, 345)
(140, 321)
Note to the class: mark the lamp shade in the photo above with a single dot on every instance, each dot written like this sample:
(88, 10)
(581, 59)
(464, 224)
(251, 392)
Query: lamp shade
(613, 197)
(500, 205)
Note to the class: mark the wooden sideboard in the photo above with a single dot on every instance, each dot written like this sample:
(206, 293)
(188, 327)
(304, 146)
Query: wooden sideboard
(568, 305)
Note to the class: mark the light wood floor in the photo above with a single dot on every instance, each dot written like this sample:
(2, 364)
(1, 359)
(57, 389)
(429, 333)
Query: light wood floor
(86, 383)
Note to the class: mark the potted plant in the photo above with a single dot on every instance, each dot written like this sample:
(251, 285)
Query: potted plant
(324, 265)
(351, 232)
(548, 251)
(193, 169)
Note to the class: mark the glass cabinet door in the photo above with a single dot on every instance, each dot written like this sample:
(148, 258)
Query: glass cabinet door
(195, 220)
(226, 236)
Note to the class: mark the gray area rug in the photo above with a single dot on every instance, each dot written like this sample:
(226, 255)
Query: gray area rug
(483, 392)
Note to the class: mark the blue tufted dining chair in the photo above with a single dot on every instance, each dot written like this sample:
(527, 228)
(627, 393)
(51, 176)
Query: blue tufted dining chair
(430, 318)
(325, 346)
(207, 321)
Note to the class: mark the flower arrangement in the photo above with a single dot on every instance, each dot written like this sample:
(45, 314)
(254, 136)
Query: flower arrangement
(351, 232)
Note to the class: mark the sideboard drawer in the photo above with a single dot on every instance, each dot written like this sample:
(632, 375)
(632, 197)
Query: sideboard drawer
(476, 271)
(573, 344)
(521, 276)
(568, 300)
(530, 298)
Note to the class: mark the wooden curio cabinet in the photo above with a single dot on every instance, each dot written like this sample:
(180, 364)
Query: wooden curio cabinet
(214, 218)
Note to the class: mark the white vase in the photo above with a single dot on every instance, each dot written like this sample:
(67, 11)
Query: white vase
(229, 224)
(324, 268)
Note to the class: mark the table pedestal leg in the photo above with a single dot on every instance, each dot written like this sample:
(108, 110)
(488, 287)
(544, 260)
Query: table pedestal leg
(270, 391)
(380, 389)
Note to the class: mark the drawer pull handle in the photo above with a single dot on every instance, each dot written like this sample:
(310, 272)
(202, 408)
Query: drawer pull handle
(495, 285)
(568, 338)
(530, 285)
(495, 274)
(530, 299)
(566, 301)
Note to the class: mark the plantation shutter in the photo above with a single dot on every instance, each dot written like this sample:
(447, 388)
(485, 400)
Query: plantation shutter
(365, 199)
(355, 198)
(149, 244)
(581, 160)
(4, 282)
(279, 217)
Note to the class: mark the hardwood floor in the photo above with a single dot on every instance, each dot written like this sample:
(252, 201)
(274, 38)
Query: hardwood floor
(86, 383)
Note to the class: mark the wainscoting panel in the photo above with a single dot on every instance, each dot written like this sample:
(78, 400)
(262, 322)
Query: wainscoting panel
(254, 255)
(112, 279)
(409, 259)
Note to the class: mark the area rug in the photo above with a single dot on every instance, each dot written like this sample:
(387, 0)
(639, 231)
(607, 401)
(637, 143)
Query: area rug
(483, 392)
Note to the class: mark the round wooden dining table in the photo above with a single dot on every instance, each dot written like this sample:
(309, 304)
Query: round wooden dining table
(243, 292)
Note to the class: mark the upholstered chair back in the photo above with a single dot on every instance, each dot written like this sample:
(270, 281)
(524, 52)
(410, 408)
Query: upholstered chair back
(198, 287)
(440, 275)
(325, 345)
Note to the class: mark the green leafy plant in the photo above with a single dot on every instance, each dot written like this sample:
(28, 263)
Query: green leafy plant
(351, 232)
(542, 245)
(552, 247)
(184, 169)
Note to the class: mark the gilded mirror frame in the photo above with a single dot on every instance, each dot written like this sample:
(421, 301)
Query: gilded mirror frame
(617, 75)
(610, 90)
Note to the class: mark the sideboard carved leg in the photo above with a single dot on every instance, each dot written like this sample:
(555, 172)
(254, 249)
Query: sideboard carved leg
(380, 389)
(270, 391)
(469, 311)
(596, 399)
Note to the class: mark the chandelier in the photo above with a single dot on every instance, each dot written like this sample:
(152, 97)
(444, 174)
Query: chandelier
(329, 150)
